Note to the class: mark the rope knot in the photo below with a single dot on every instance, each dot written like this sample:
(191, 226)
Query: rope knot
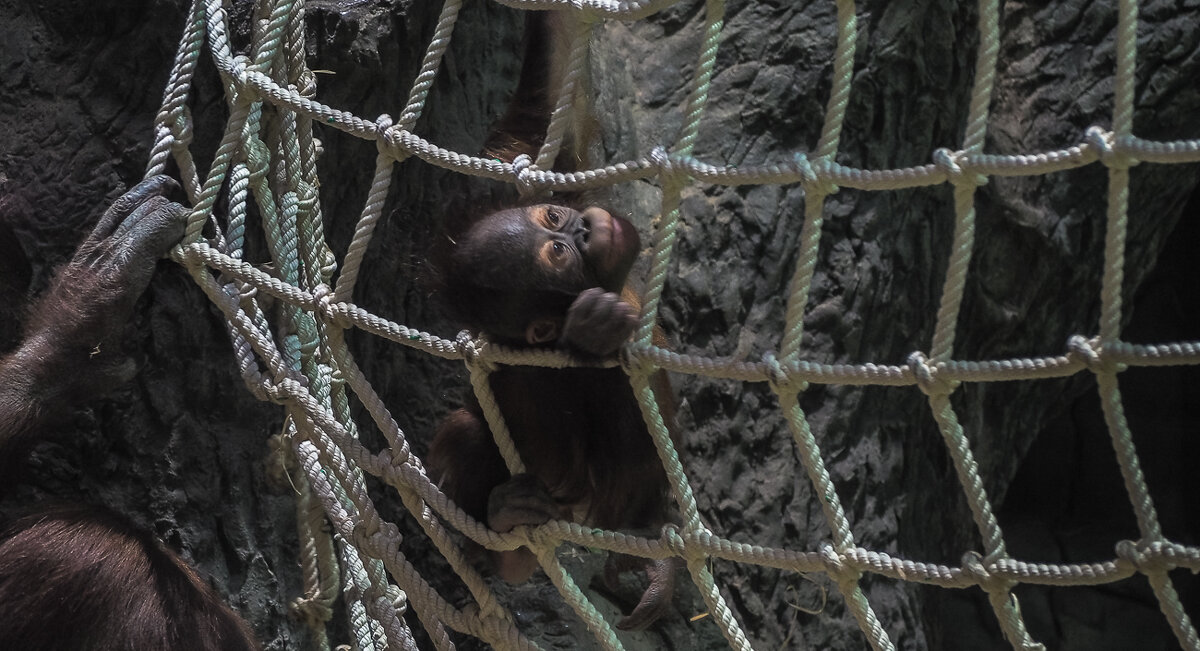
(778, 378)
(257, 159)
(951, 162)
(1083, 348)
(330, 310)
(676, 541)
(243, 93)
(973, 566)
(810, 177)
(383, 125)
(245, 291)
(391, 141)
(1101, 140)
(183, 131)
(377, 535)
(402, 455)
(397, 597)
(524, 168)
(1140, 555)
(278, 393)
(472, 351)
(306, 83)
(306, 196)
(634, 361)
(835, 565)
(662, 160)
(926, 376)
(673, 540)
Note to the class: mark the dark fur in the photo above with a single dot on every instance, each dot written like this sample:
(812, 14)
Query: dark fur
(81, 578)
(84, 578)
(522, 128)
(579, 431)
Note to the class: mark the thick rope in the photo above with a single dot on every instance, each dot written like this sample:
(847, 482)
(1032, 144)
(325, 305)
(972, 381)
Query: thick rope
(268, 155)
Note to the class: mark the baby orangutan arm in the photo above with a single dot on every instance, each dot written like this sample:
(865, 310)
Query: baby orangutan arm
(598, 323)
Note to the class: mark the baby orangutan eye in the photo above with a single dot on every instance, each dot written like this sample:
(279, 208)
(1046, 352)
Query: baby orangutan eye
(558, 252)
(553, 217)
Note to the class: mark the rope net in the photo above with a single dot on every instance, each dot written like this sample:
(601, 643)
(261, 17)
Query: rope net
(268, 155)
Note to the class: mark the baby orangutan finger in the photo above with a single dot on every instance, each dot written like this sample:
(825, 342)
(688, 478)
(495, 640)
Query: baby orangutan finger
(598, 322)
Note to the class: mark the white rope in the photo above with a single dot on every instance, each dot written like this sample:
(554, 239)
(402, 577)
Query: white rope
(302, 361)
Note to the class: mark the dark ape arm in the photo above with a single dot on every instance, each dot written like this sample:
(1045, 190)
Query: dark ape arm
(70, 348)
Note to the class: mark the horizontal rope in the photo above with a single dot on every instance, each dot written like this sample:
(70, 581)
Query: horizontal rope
(346, 314)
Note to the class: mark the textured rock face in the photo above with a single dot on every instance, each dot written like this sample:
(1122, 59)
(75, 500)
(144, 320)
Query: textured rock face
(182, 450)
(1034, 281)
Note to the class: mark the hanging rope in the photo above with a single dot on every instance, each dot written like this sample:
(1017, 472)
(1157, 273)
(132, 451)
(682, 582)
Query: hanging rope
(302, 361)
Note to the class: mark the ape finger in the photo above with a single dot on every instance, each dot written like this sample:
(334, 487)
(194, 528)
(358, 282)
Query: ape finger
(154, 186)
(600, 325)
(153, 228)
(120, 266)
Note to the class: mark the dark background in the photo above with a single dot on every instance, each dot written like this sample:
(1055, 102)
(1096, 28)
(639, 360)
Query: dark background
(183, 449)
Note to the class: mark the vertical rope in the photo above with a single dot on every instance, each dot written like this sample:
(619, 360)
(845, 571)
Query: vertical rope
(564, 108)
(672, 181)
(843, 75)
(315, 607)
(1112, 288)
(371, 213)
(178, 86)
(1003, 602)
(430, 64)
(790, 345)
(495, 420)
(268, 154)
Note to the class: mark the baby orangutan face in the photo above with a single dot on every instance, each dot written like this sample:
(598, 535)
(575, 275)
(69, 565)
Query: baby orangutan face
(537, 273)
(554, 247)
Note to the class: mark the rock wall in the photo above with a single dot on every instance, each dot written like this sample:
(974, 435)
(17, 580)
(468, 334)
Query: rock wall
(182, 450)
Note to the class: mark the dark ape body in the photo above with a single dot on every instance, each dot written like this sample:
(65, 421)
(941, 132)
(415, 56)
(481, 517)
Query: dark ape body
(547, 275)
(78, 578)
(82, 578)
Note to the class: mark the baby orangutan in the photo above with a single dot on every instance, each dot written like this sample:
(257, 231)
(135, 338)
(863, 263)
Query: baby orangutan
(548, 275)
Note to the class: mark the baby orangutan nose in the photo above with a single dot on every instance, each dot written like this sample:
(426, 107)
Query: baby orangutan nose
(583, 233)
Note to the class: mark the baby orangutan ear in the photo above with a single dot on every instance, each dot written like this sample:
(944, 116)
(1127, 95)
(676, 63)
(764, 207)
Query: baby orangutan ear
(541, 331)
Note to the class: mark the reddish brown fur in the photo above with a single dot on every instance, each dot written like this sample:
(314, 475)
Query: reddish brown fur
(81, 578)
(522, 128)
(579, 431)
(84, 578)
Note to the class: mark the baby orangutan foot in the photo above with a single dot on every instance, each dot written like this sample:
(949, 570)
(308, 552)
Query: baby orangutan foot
(521, 501)
(656, 600)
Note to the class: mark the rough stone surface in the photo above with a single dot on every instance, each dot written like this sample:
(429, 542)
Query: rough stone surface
(182, 449)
